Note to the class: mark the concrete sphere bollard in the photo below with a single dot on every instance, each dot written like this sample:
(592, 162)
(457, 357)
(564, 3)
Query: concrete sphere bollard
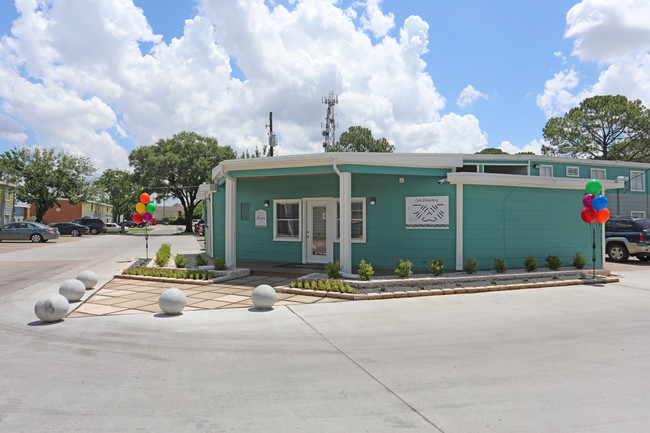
(89, 278)
(51, 308)
(172, 301)
(72, 290)
(264, 296)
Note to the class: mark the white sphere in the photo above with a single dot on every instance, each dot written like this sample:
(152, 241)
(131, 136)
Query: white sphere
(72, 290)
(264, 296)
(51, 308)
(89, 278)
(172, 301)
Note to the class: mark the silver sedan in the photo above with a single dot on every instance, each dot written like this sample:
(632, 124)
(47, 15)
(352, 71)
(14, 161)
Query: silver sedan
(32, 231)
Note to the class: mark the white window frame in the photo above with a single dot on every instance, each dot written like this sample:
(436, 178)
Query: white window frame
(569, 169)
(275, 221)
(637, 214)
(593, 171)
(361, 200)
(544, 167)
(637, 174)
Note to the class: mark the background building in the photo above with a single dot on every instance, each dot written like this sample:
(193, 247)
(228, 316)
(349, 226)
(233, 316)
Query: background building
(6, 203)
(67, 212)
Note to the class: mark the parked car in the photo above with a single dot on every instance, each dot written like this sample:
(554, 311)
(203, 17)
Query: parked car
(116, 228)
(196, 224)
(128, 223)
(625, 237)
(95, 225)
(70, 228)
(200, 228)
(35, 232)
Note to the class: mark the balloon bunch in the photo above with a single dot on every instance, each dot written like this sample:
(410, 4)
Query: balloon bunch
(595, 204)
(145, 209)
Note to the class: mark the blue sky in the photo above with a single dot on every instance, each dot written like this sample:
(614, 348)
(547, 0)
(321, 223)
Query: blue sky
(74, 80)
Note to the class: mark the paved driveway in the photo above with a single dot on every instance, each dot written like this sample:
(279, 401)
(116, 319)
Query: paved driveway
(565, 359)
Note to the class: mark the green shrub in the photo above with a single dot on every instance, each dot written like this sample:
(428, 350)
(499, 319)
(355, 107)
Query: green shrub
(470, 265)
(219, 263)
(163, 255)
(333, 270)
(500, 265)
(365, 270)
(200, 260)
(403, 268)
(553, 262)
(180, 261)
(168, 273)
(437, 267)
(579, 261)
(530, 263)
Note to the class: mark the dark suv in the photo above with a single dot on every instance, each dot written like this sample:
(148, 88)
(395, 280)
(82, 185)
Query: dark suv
(627, 237)
(95, 225)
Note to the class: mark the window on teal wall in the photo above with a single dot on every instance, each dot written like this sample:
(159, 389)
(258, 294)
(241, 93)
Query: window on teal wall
(286, 220)
(358, 219)
(546, 170)
(637, 181)
(598, 173)
(573, 171)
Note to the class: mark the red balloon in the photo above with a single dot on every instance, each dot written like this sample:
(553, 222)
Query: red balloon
(144, 198)
(602, 216)
(588, 215)
(137, 218)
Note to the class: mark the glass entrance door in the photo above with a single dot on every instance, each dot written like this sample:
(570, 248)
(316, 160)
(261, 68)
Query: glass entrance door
(317, 236)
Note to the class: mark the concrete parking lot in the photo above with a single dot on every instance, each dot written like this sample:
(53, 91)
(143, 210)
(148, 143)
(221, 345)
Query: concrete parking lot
(564, 359)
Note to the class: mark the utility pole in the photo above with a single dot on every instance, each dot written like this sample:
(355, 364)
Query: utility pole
(273, 139)
(330, 125)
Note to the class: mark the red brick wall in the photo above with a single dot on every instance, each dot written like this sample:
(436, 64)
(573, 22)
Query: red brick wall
(64, 214)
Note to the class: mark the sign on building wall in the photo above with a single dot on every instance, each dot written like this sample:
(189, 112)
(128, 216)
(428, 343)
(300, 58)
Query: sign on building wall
(260, 218)
(427, 212)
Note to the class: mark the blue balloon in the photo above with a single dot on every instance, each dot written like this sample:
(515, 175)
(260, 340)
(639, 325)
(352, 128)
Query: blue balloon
(599, 202)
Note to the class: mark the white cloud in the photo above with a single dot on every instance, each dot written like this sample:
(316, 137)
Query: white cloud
(534, 146)
(469, 95)
(616, 35)
(73, 73)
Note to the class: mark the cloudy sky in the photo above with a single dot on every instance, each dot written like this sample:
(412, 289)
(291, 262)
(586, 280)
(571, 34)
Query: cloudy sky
(100, 77)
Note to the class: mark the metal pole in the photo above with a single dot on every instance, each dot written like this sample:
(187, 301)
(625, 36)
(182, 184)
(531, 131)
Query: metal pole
(271, 130)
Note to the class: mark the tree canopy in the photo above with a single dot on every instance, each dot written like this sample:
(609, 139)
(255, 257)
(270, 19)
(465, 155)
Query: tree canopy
(601, 127)
(491, 151)
(175, 167)
(119, 189)
(42, 176)
(360, 139)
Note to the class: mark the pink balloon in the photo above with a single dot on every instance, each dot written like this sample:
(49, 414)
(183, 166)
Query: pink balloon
(587, 199)
(147, 217)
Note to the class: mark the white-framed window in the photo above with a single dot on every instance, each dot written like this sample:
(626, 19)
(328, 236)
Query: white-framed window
(546, 170)
(637, 214)
(573, 171)
(637, 181)
(358, 220)
(598, 173)
(7, 195)
(286, 220)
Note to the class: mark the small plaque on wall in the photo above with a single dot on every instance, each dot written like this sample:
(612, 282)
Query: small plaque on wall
(260, 218)
(427, 212)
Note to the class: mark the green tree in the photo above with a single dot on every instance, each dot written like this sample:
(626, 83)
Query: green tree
(256, 154)
(175, 167)
(602, 127)
(491, 151)
(119, 189)
(360, 139)
(43, 176)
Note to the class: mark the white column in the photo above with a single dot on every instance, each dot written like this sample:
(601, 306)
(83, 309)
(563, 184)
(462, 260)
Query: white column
(459, 227)
(209, 233)
(231, 222)
(345, 244)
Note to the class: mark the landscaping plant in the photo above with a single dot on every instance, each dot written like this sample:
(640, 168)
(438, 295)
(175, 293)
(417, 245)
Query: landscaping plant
(333, 270)
(553, 262)
(180, 261)
(500, 265)
(219, 263)
(437, 267)
(365, 270)
(579, 261)
(163, 255)
(470, 265)
(403, 268)
(530, 263)
(200, 260)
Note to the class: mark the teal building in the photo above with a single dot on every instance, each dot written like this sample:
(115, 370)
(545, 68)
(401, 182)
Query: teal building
(381, 207)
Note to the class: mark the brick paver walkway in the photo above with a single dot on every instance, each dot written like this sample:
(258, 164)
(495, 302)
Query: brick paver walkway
(122, 296)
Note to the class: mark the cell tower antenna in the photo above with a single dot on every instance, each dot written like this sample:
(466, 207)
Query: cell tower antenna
(330, 125)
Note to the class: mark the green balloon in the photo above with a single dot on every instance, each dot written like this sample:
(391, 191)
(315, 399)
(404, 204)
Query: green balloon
(594, 187)
(151, 208)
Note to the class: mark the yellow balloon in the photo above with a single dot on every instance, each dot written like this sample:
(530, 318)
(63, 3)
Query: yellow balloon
(140, 207)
